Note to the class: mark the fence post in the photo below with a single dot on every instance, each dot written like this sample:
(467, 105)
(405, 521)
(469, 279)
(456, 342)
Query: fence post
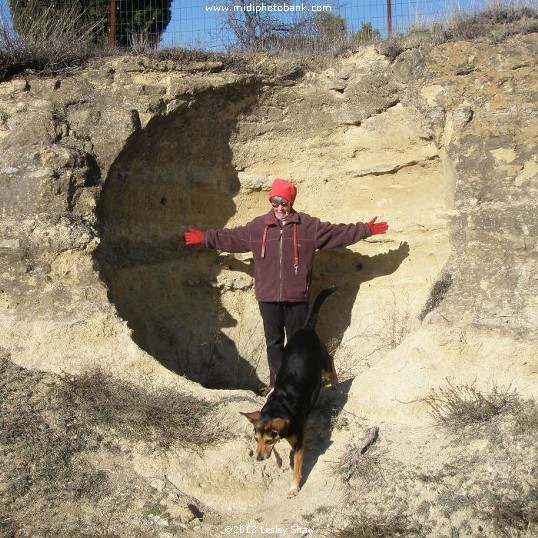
(112, 25)
(389, 18)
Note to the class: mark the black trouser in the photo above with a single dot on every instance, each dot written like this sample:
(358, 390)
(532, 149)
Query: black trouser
(277, 318)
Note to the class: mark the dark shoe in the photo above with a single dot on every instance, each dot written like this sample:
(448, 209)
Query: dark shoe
(264, 391)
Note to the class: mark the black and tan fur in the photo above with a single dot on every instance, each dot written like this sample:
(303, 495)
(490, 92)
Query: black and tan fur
(296, 390)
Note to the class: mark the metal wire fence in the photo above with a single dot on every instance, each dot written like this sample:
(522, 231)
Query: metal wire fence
(220, 25)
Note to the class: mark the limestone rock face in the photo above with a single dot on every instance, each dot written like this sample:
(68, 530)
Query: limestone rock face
(102, 172)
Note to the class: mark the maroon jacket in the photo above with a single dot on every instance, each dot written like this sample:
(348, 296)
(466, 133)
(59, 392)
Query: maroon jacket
(284, 256)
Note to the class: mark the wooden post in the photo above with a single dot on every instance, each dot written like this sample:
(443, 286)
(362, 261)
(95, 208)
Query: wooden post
(112, 20)
(389, 18)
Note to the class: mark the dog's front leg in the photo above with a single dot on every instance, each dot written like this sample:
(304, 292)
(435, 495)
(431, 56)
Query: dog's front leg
(278, 459)
(298, 455)
(297, 472)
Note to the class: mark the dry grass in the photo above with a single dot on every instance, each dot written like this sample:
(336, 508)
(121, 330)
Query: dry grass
(187, 56)
(508, 501)
(494, 24)
(527, 418)
(516, 510)
(40, 444)
(158, 416)
(485, 478)
(54, 41)
(362, 527)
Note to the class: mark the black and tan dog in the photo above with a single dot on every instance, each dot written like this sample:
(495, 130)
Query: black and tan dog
(297, 387)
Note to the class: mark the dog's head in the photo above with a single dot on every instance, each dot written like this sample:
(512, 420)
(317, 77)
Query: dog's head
(267, 433)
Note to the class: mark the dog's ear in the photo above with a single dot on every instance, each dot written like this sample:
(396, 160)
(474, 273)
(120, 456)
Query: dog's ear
(253, 416)
(281, 426)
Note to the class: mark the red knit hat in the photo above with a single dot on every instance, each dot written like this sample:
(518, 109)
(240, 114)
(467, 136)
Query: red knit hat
(284, 189)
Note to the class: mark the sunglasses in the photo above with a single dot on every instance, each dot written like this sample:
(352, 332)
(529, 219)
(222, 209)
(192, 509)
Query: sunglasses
(275, 202)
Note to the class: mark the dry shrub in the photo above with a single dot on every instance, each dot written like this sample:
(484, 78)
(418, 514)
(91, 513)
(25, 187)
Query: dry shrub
(356, 463)
(458, 406)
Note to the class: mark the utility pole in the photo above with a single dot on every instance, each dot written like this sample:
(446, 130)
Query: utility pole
(389, 18)
(112, 19)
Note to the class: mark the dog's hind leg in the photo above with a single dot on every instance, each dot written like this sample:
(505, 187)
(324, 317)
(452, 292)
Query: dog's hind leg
(332, 373)
(328, 370)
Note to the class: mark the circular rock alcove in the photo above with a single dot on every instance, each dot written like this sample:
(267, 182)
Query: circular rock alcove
(208, 164)
(174, 173)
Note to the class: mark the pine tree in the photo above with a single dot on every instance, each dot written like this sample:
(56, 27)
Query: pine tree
(136, 20)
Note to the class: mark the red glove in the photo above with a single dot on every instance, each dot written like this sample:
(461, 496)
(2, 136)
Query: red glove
(378, 227)
(193, 237)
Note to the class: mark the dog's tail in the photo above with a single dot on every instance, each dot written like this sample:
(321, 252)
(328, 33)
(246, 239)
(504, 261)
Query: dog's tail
(312, 318)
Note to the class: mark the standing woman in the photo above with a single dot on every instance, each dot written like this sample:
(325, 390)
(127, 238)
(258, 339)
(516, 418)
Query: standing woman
(283, 243)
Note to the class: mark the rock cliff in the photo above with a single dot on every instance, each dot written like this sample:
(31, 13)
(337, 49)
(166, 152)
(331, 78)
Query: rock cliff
(104, 169)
